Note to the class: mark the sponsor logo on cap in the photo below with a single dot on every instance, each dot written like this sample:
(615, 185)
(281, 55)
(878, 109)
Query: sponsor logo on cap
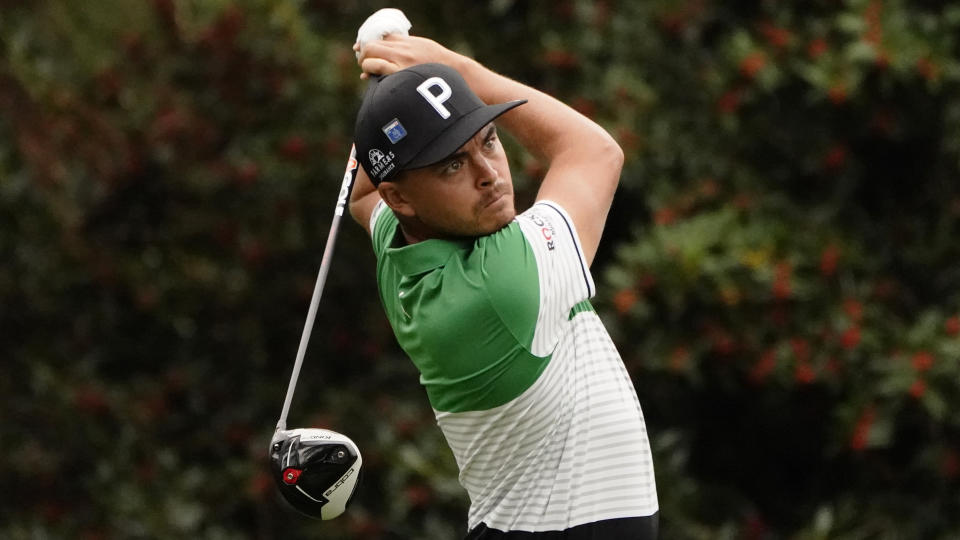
(394, 131)
(381, 163)
(376, 156)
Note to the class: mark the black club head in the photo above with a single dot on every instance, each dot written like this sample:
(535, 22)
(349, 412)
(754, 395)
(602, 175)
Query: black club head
(316, 470)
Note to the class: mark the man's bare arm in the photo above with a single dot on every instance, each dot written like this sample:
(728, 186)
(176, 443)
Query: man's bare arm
(363, 199)
(584, 161)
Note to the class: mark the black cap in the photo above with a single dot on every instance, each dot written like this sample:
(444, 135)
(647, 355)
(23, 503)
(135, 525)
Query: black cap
(416, 117)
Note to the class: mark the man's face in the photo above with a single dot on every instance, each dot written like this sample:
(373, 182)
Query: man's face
(468, 194)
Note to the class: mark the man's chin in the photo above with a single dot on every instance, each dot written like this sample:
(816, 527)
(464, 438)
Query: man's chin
(502, 220)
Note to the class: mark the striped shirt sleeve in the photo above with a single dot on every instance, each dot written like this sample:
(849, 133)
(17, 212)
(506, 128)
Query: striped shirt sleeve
(564, 274)
(381, 236)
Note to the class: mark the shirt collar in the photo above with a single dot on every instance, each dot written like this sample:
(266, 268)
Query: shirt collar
(426, 255)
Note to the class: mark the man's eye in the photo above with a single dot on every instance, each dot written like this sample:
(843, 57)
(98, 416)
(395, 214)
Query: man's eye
(491, 142)
(454, 166)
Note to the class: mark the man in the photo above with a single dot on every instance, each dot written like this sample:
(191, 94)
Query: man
(491, 306)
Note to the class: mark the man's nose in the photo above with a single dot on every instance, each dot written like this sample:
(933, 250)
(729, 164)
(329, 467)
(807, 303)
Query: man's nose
(486, 173)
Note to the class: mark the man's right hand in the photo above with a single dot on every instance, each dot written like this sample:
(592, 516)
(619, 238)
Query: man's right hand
(395, 52)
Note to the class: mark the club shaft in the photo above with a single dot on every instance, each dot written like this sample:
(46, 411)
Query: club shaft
(345, 188)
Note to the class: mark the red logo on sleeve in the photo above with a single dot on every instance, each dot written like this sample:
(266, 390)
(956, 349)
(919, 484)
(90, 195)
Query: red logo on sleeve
(546, 230)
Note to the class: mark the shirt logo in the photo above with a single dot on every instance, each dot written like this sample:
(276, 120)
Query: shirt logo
(394, 131)
(546, 230)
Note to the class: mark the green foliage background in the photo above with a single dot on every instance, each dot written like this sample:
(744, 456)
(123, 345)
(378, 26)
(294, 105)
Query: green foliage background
(779, 268)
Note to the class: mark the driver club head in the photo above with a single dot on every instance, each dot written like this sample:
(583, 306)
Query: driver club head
(316, 470)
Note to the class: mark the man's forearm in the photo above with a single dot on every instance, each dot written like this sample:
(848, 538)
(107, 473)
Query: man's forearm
(363, 198)
(545, 126)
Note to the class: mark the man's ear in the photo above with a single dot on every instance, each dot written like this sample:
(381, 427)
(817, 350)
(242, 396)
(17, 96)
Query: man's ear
(395, 199)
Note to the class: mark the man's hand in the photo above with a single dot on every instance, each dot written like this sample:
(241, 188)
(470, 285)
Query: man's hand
(395, 52)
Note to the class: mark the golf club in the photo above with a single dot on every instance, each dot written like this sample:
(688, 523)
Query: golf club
(317, 470)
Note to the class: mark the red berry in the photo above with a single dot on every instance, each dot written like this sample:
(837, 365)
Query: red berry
(679, 358)
(253, 252)
(850, 337)
(859, 439)
(853, 309)
(782, 288)
(918, 388)
(927, 69)
(950, 464)
(801, 348)
(729, 102)
(294, 147)
(833, 366)
(837, 93)
(628, 139)
(647, 281)
(90, 399)
(922, 361)
(829, 259)
(764, 366)
(247, 173)
(723, 343)
(260, 485)
(624, 300)
(804, 374)
(883, 59)
(561, 59)
(775, 35)
(665, 216)
(836, 157)
(584, 106)
(816, 48)
(418, 495)
(952, 326)
(753, 64)
(861, 431)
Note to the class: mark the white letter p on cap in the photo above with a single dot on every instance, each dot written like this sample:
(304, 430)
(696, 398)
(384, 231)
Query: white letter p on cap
(436, 101)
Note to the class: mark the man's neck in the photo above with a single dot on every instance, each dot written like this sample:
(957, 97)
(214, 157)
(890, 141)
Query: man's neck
(409, 238)
(413, 234)
(414, 231)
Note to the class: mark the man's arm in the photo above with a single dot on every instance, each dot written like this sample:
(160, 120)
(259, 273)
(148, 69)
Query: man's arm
(363, 199)
(584, 161)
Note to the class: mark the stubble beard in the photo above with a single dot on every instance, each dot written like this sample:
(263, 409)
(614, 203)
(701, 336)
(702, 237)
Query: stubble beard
(505, 216)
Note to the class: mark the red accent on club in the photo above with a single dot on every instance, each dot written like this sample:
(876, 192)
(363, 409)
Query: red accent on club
(290, 476)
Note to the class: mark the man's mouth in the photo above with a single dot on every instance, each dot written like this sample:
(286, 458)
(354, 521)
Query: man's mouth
(493, 200)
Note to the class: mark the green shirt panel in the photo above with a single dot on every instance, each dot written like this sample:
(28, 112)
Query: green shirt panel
(465, 313)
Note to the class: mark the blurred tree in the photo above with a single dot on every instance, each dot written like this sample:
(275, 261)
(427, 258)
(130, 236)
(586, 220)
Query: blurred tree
(792, 296)
(779, 266)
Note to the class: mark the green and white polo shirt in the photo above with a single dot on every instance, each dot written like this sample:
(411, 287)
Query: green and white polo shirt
(524, 380)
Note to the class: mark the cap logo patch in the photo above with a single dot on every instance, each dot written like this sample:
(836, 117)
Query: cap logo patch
(436, 100)
(380, 163)
(394, 131)
(375, 156)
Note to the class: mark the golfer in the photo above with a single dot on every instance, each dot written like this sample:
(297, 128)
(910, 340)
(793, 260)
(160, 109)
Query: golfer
(492, 306)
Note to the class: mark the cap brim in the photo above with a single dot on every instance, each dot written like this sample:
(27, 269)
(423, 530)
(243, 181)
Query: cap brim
(450, 140)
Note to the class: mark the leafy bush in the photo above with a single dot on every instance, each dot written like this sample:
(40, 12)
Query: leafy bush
(778, 267)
